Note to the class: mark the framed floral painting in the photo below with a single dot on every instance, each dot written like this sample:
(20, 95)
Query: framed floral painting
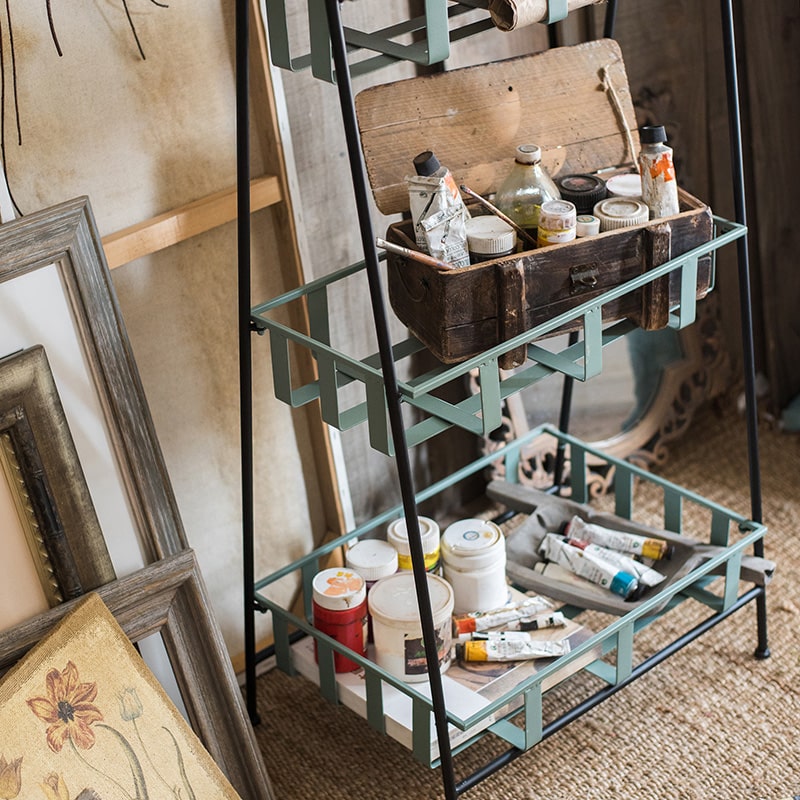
(83, 717)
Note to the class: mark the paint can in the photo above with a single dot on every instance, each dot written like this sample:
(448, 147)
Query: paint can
(557, 223)
(399, 647)
(474, 564)
(397, 536)
(339, 610)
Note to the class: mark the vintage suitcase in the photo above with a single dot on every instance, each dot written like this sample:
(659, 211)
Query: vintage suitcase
(575, 103)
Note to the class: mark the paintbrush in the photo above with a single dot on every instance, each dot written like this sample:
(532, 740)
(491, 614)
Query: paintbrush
(499, 214)
(423, 258)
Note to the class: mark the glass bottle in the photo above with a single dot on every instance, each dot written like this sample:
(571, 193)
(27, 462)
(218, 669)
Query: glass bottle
(526, 187)
(659, 186)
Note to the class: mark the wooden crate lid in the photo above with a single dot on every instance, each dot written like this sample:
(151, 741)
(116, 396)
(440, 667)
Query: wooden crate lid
(473, 119)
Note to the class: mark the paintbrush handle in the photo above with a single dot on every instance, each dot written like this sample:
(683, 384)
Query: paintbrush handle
(423, 258)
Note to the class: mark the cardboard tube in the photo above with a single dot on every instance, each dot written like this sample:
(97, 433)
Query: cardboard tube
(510, 14)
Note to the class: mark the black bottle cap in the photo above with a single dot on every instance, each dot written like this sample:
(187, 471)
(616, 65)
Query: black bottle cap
(582, 190)
(652, 134)
(426, 163)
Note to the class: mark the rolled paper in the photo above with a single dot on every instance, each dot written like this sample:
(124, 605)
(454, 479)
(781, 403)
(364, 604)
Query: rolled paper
(510, 14)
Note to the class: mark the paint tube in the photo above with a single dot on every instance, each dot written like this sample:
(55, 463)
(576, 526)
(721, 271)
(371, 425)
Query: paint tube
(483, 620)
(509, 646)
(438, 211)
(554, 620)
(646, 576)
(625, 542)
(554, 572)
(589, 566)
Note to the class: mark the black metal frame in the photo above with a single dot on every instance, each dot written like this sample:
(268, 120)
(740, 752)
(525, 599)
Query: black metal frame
(452, 788)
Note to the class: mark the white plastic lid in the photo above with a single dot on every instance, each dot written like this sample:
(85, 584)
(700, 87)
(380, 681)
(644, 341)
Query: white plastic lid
(587, 225)
(628, 184)
(528, 153)
(338, 589)
(473, 543)
(488, 235)
(372, 559)
(397, 534)
(395, 597)
(557, 215)
(620, 212)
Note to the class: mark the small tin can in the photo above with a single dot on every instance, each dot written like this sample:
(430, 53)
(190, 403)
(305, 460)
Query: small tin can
(339, 610)
(557, 222)
(397, 535)
(474, 564)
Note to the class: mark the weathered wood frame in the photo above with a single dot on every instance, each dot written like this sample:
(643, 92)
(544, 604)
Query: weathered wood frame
(66, 235)
(169, 598)
(47, 482)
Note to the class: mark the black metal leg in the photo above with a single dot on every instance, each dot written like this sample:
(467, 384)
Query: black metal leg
(745, 302)
(402, 459)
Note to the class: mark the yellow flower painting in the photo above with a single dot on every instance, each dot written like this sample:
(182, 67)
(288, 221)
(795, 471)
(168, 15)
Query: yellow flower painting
(83, 718)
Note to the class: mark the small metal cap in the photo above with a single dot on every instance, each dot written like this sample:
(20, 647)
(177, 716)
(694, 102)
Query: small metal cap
(652, 134)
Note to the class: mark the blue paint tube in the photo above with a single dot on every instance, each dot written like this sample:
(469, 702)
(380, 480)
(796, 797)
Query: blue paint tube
(587, 565)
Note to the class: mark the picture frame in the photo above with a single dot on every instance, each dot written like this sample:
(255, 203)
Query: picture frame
(61, 248)
(46, 481)
(168, 598)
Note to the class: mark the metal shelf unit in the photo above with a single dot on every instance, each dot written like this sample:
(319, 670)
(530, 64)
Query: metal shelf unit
(381, 409)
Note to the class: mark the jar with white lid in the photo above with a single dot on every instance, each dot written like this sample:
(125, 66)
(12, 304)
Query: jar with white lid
(339, 610)
(620, 212)
(489, 237)
(397, 536)
(557, 222)
(474, 564)
(399, 646)
(626, 184)
(372, 559)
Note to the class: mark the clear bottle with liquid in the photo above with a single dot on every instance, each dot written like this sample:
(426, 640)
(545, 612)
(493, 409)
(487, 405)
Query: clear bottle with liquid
(526, 187)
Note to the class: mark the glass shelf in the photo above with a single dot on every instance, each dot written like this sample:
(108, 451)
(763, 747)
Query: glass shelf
(479, 413)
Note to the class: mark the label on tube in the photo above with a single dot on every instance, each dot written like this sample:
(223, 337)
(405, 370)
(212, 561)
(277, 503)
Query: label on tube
(509, 646)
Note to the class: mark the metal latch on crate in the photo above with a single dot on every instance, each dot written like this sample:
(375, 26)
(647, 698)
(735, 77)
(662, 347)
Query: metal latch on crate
(584, 276)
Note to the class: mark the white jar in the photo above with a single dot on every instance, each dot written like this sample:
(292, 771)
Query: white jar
(397, 535)
(474, 564)
(372, 559)
(397, 628)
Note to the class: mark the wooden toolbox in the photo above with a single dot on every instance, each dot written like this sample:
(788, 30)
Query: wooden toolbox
(575, 103)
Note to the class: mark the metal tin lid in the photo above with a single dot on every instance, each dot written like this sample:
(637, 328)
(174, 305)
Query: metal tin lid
(372, 559)
(629, 184)
(338, 589)
(528, 154)
(620, 212)
(397, 534)
(489, 235)
(395, 597)
(582, 190)
(587, 225)
(557, 215)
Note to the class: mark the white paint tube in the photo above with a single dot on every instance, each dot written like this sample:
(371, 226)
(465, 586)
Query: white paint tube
(589, 566)
(554, 572)
(556, 619)
(645, 575)
(509, 646)
(484, 620)
(644, 546)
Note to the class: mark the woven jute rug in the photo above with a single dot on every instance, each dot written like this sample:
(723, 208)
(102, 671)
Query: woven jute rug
(709, 722)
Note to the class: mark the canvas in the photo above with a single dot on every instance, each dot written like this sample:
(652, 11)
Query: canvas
(81, 716)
